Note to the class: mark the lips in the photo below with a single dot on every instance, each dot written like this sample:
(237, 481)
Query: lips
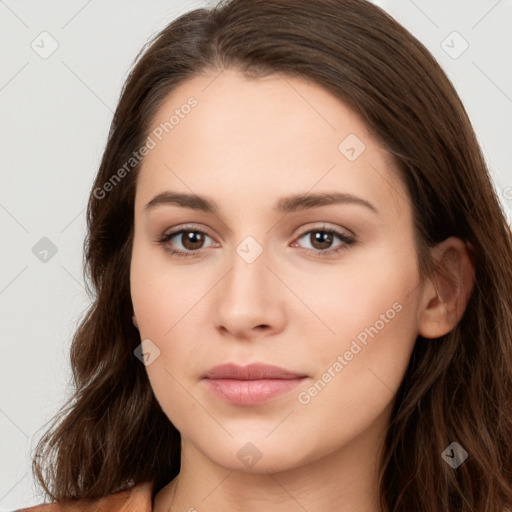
(252, 384)
(253, 371)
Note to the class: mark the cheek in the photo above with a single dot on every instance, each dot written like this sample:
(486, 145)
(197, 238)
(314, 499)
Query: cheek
(368, 316)
(359, 375)
(373, 313)
(161, 298)
(367, 290)
(174, 320)
(167, 302)
(162, 292)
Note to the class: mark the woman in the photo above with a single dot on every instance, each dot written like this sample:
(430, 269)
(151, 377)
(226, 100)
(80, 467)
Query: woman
(303, 278)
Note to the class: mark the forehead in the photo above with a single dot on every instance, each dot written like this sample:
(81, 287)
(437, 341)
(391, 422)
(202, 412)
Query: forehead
(269, 136)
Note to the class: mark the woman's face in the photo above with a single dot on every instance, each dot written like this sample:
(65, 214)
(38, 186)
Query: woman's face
(326, 288)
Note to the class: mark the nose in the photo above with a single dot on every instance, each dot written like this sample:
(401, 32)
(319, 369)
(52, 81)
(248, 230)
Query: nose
(250, 299)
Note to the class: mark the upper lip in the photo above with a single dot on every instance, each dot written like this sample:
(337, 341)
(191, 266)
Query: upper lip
(254, 371)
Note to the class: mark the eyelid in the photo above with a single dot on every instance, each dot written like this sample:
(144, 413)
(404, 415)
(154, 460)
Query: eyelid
(346, 239)
(325, 226)
(305, 229)
(172, 232)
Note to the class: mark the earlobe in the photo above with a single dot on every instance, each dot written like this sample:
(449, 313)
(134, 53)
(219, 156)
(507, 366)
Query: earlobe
(447, 291)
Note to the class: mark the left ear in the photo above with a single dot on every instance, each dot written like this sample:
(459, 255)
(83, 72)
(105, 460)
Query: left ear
(447, 291)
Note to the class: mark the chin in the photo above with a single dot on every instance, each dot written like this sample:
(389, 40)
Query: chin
(258, 454)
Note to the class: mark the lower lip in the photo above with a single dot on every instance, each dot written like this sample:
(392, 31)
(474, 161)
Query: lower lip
(251, 392)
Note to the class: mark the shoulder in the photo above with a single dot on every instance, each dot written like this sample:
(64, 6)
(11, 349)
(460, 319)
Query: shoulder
(136, 499)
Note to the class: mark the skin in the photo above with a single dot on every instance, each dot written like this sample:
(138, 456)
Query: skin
(246, 144)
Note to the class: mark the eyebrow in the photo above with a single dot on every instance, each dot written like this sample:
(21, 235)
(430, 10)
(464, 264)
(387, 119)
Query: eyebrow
(284, 205)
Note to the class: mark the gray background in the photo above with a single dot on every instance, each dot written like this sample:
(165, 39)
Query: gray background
(55, 115)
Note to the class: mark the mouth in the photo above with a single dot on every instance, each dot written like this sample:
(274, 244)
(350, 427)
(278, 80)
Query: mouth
(252, 384)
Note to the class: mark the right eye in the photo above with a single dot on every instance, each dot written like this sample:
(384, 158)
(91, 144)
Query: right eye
(191, 240)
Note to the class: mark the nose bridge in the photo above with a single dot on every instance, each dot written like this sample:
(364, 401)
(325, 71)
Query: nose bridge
(248, 278)
(248, 296)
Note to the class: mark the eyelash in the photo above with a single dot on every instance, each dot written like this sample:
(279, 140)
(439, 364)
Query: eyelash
(347, 241)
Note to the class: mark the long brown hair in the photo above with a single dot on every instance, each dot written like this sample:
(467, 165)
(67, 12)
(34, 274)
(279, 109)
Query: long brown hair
(112, 433)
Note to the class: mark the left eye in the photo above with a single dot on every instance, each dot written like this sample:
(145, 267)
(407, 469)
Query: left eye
(322, 240)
